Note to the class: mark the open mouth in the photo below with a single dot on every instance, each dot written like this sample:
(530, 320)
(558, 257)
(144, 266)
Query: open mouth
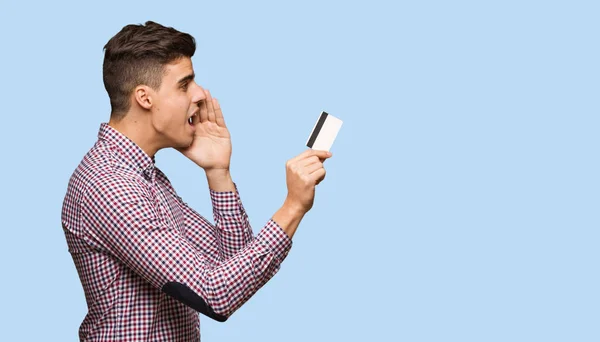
(191, 119)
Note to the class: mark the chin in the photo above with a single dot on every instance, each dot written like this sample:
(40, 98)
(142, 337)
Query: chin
(181, 143)
(187, 142)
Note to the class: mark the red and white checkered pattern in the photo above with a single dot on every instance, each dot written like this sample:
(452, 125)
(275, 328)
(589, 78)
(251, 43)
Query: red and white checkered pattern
(129, 234)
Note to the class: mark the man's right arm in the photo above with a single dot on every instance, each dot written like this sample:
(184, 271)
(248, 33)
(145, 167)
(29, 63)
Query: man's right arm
(122, 220)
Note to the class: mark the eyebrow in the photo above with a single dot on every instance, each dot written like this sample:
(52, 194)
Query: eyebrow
(186, 79)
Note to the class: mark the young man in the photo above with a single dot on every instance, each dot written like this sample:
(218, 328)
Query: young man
(148, 263)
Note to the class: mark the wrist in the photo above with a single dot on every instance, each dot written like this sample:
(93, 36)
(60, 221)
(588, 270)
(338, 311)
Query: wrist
(294, 207)
(288, 217)
(217, 173)
(219, 180)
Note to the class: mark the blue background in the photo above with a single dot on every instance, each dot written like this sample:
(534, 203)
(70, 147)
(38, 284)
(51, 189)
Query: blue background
(461, 203)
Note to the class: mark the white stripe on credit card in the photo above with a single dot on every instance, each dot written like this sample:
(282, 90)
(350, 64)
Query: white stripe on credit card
(324, 132)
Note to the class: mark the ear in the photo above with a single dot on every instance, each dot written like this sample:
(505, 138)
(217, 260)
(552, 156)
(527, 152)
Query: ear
(143, 96)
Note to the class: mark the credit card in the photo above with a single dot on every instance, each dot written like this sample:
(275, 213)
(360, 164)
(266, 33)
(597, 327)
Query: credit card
(324, 132)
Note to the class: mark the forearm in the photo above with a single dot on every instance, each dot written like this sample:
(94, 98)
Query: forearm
(235, 281)
(232, 226)
(219, 289)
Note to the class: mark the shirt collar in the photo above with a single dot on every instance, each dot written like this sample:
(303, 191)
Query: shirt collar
(128, 151)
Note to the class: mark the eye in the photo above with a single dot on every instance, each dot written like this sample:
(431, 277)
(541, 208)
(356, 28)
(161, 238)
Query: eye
(184, 86)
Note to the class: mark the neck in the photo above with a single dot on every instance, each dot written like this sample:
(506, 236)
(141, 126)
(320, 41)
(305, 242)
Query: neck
(139, 131)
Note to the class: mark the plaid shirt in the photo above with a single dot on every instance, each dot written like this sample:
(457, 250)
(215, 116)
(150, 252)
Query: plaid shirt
(148, 263)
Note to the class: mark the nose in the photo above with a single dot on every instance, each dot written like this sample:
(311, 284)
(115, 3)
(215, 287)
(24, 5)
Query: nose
(198, 93)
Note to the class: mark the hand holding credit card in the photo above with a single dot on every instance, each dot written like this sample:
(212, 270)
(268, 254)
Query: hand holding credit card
(324, 132)
(305, 171)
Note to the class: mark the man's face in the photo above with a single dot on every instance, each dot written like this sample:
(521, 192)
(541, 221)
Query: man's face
(175, 103)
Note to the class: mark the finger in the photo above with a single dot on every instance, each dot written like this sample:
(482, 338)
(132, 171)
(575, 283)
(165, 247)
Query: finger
(321, 154)
(315, 156)
(308, 161)
(218, 113)
(211, 107)
(301, 156)
(318, 175)
(311, 152)
(313, 167)
(203, 111)
(196, 118)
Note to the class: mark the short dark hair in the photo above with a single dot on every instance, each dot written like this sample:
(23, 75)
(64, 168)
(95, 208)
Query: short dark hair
(137, 55)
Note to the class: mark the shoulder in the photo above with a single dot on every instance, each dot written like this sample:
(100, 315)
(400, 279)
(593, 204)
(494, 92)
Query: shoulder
(101, 173)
